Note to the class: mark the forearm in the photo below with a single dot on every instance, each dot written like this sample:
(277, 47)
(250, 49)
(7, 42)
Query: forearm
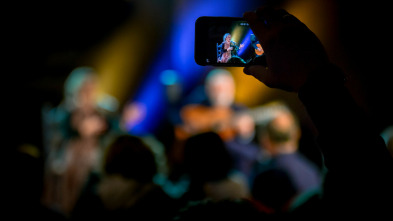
(359, 165)
(339, 119)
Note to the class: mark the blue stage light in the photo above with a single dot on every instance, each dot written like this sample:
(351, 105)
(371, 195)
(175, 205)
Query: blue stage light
(178, 56)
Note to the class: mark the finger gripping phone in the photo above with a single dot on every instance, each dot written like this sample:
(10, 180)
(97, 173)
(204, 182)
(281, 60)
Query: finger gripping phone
(226, 41)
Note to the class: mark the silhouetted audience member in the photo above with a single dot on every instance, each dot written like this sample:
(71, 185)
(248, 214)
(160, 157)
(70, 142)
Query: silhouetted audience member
(210, 107)
(127, 190)
(210, 170)
(358, 182)
(273, 191)
(287, 172)
(243, 147)
(228, 209)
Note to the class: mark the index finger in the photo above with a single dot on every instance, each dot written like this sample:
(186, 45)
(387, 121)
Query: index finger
(253, 20)
(258, 27)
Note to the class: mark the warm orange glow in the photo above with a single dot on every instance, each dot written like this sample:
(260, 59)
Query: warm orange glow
(122, 60)
(318, 15)
(249, 91)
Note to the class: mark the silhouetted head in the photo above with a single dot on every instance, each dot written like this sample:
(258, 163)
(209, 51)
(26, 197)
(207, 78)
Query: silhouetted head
(274, 189)
(280, 133)
(206, 157)
(131, 158)
(220, 210)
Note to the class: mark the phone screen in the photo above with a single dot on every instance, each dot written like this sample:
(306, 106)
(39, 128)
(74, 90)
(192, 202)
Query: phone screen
(225, 41)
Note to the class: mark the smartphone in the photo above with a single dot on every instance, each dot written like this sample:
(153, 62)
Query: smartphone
(226, 41)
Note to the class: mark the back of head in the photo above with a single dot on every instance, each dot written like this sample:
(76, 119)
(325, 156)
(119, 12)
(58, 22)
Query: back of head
(131, 158)
(282, 128)
(280, 131)
(220, 210)
(206, 157)
(274, 189)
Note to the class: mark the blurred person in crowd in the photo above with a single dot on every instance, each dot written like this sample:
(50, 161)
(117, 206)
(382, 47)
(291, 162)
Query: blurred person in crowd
(80, 96)
(126, 190)
(75, 133)
(132, 114)
(243, 147)
(215, 111)
(210, 170)
(286, 173)
(208, 108)
(227, 209)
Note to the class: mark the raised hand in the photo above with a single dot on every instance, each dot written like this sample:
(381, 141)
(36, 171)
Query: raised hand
(292, 51)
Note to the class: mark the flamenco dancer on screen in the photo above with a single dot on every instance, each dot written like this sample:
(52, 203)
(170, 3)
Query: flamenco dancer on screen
(228, 51)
